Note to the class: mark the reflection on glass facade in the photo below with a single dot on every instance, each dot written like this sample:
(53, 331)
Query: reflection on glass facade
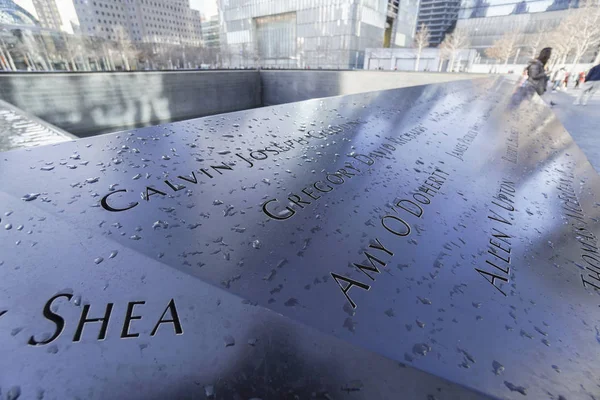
(480, 9)
(311, 33)
(495, 8)
(12, 14)
(276, 36)
(521, 8)
(405, 14)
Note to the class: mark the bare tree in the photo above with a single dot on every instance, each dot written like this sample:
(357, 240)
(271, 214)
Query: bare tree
(75, 52)
(124, 47)
(7, 56)
(422, 39)
(4, 54)
(245, 53)
(69, 52)
(92, 48)
(27, 47)
(536, 39)
(3, 62)
(452, 44)
(496, 52)
(324, 53)
(445, 54)
(563, 39)
(504, 47)
(257, 60)
(559, 44)
(585, 25)
(227, 54)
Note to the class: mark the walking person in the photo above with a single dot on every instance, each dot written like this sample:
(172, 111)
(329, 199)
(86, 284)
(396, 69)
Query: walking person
(534, 80)
(559, 78)
(580, 79)
(554, 75)
(591, 86)
(536, 73)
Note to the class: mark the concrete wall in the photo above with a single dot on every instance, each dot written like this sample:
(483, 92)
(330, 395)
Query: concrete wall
(404, 59)
(280, 87)
(86, 104)
(91, 103)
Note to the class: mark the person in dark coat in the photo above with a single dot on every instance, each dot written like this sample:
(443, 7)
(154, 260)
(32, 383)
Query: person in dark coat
(591, 86)
(536, 72)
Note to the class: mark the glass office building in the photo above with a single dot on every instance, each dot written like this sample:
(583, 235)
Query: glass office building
(438, 16)
(496, 8)
(402, 16)
(13, 14)
(312, 33)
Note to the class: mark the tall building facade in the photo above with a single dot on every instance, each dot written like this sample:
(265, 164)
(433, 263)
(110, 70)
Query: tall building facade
(48, 14)
(211, 32)
(211, 40)
(401, 23)
(312, 33)
(141, 21)
(497, 8)
(439, 16)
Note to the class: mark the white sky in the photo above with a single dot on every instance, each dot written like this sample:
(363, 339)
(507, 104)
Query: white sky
(67, 14)
(27, 5)
(206, 7)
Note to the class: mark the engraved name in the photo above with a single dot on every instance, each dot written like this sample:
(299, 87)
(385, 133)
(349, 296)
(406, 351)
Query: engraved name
(588, 240)
(463, 144)
(168, 316)
(397, 225)
(283, 210)
(219, 169)
(512, 147)
(498, 256)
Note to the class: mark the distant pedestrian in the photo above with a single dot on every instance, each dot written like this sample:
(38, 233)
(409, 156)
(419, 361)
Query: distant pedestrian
(591, 86)
(580, 79)
(536, 73)
(559, 78)
(567, 76)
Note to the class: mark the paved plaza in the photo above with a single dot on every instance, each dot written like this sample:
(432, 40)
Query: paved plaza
(582, 122)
